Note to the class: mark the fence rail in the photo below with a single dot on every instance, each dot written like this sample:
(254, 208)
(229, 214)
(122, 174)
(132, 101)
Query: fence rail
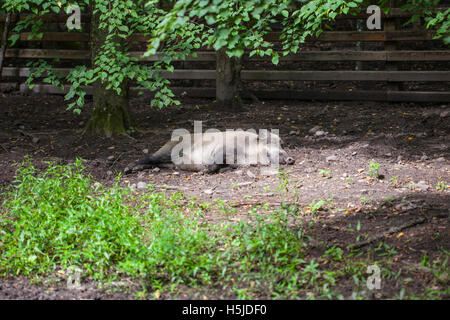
(390, 56)
(410, 55)
(262, 75)
(328, 36)
(393, 13)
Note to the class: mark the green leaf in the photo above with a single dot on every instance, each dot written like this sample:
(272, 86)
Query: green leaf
(275, 59)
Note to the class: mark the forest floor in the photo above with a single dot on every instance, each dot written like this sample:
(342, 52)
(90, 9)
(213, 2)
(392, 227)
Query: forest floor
(374, 170)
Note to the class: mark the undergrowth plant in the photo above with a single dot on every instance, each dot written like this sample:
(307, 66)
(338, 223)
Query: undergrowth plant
(60, 219)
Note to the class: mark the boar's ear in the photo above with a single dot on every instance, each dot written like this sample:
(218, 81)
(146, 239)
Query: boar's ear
(263, 134)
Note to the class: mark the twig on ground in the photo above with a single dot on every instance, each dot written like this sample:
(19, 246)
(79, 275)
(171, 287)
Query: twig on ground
(392, 230)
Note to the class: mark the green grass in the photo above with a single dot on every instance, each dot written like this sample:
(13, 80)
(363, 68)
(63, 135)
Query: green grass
(441, 186)
(56, 219)
(373, 170)
(325, 173)
(59, 219)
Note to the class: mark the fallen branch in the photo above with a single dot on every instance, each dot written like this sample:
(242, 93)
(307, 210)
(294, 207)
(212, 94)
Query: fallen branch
(171, 187)
(258, 203)
(392, 230)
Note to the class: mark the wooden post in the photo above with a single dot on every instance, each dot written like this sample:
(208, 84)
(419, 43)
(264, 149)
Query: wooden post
(4, 42)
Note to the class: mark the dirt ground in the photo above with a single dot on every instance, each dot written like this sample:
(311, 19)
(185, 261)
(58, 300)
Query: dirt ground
(410, 142)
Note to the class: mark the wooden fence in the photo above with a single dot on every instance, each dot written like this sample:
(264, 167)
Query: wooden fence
(380, 65)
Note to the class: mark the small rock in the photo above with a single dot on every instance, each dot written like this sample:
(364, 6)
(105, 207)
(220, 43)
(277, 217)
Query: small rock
(251, 174)
(428, 113)
(145, 151)
(268, 171)
(441, 159)
(422, 185)
(81, 123)
(242, 184)
(35, 140)
(238, 172)
(156, 169)
(444, 114)
(310, 170)
(320, 133)
(331, 158)
(110, 158)
(354, 153)
(208, 191)
(421, 134)
(96, 162)
(399, 158)
(314, 129)
(22, 127)
(292, 133)
(423, 158)
(141, 185)
(109, 173)
(175, 173)
(345, 175)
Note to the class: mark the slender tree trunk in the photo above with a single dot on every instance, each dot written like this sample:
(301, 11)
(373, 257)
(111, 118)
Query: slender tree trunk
(111, 112)
(228, 81)
(4, 42)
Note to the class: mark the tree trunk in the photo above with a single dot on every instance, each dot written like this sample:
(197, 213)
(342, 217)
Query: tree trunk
(111, 112)
(228, 81)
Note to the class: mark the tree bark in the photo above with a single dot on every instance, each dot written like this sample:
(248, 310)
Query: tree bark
(111, 114)
(228, 81)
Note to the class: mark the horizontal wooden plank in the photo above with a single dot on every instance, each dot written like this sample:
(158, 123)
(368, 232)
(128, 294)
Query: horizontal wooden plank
(346, 75)
(7, 87)
(363, 95)
(334, 36)
(45, 18)
(25, 72)
(344, 55)
(48, 54)
(364, 36)
(393, 13)
(367, 95)
(264, 75)
(57, 36)
(49, 89)
(441, 55)
(328, 36)
(85, 54)
(203, 56)
(438, 55)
